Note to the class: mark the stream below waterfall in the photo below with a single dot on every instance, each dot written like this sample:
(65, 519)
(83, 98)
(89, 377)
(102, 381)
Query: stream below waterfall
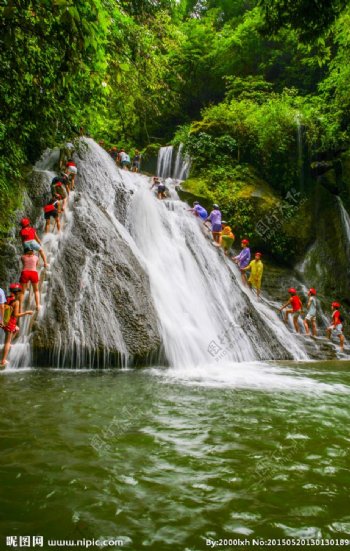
(166, 462)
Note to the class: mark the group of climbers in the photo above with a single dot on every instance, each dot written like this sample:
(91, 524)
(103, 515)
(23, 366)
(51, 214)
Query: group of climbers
(123, 160)
(294, 307)
(223, 236)
(11, 306)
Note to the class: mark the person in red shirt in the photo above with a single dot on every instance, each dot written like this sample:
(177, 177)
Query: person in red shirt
(295, 308)
(29, 236)
(30, 273)
(52, 209)
(11, 328)
(336, 327)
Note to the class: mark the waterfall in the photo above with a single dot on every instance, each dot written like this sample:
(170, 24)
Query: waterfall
(134, 280)
(182, 165)
(204, 315)
(167, 167)
(345, 218)
(300, 151)
(164, 162)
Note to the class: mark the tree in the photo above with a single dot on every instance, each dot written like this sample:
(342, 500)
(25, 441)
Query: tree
(310, 18)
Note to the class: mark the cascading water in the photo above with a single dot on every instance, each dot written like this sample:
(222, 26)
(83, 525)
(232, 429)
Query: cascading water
(203, 314)
(130, 272)
(167, 167)
(182, 165)
(164, 162)
(345, 218)
(300, 151)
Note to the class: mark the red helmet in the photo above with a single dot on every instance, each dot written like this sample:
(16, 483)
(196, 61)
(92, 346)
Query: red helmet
(15, 287)
(312, 291)
(292, 291)
(258, 254)
(245, 241)
(25, 222)
(336, 305)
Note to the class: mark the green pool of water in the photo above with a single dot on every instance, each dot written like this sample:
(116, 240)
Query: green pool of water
(167, 462)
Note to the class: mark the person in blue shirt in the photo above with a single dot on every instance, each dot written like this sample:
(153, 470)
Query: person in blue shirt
(199, 211)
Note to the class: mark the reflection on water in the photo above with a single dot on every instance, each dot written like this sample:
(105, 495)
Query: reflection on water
(164, 463)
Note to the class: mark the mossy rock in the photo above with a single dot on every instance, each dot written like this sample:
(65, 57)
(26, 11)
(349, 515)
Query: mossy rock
(254, 210)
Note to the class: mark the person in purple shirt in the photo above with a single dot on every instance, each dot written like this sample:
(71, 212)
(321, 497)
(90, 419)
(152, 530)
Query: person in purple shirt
(243, 259)
(215, 219)
(199, 211)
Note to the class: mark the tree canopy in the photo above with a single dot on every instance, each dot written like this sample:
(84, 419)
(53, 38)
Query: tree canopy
(136, 72)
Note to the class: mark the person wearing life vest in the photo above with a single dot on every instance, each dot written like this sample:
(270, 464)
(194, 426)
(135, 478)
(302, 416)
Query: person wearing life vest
(71, 171)
(2, 307)
(30, 274)
(215, 220)
(29, 236)
(295, 308)
(336, 327)
(256, 268)
(227, 237)
(243, 259)
(311, 313)
(52, 210)
(10, 325)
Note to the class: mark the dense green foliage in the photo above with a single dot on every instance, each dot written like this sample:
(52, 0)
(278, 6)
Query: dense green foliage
(235, 80)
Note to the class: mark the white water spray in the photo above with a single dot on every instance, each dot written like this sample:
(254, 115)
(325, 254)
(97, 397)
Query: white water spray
(168, 167)
(345, 218)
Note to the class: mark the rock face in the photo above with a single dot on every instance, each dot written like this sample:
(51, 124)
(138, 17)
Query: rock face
(326, 261)
(37, 190)
(98, 308)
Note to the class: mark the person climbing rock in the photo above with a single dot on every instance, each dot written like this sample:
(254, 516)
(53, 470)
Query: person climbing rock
(136, 162)
(161, 189)
(199, 211)
(124, 159)
(113, 153)
(243, 259)
(29, 236)
(2, 303)
(215, 220)
(59, 186)
(256, 268)
(227, 237)
(52, 210)
(30, 274)
(65, 153)
(71, 171)
(12, 313)
(336, 327)
(296, 308)
(311, 313)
